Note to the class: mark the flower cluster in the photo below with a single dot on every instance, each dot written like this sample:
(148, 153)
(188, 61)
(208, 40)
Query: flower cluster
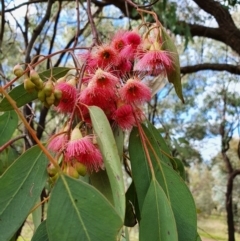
(112, 81)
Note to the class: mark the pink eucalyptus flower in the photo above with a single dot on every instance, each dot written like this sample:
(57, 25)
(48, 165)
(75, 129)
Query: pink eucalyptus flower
(69, 95)
(104, 56)
(135, 91)
(84, 151)
(154, 61)
(124, 117)
(58, 143)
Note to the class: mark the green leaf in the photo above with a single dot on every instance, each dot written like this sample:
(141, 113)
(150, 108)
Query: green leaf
(101, 182)
(132, 209)
(111, 158)
(119, 138)
(78, 211)
(176, 190)
(158, 222)
(7, 157)
(20, 187)
(198, 238)
(8, 124)
(37, 215)
(22, 97)
(174, 75)
(179, 167)
(56, 73)
(41, 233)
(158, 143)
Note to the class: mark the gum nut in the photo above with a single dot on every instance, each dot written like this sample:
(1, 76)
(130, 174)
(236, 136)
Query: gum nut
(48, 88)
(28, 85)
(41, 95)
(72, 172)
(18, 71)
(39, 85)
(81, 168)
(50, 99)
(54, 178)
(34, 76)
(58, 94)
(52, 171)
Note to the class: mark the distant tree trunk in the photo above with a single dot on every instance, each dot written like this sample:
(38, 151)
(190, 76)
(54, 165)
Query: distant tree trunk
(229, 208)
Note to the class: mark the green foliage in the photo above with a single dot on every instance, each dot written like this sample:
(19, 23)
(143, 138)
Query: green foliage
(157, 208)
(173, 75)
(88, 213)
(20, 187)
(112, 162)
(41, 233)
(8, 124)
(22, 97)
(174, 187)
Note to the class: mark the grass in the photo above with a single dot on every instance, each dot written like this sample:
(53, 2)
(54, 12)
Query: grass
(210, 228)
(214, 228)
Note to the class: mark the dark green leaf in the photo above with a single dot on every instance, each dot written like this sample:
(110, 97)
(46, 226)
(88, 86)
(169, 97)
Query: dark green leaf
(22, 97)
(173, 75)
(20, 187)
(132, 209)
(8, 124)
(41, 233)
(100, 181)
(78, 211)
(158, 223)
(111, 158)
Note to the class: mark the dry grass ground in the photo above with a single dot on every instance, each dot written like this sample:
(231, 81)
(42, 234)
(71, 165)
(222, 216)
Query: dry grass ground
(211, 228)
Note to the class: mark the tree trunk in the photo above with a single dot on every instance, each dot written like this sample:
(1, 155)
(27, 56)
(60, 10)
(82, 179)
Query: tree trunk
(229, 208)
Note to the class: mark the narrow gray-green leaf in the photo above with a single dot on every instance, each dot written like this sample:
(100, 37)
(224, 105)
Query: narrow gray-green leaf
(78, 211)
(20, 187)
(8, 124)
(158, 223)
(41, 233)
(109, 151)
(174, 75)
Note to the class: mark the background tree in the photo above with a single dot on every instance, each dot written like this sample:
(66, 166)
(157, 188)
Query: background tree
(206, 31)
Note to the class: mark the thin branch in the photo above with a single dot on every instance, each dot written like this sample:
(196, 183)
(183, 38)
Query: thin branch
(54, 32)
(11, 142)
(2, 24)
(92, 24)
(38, 30)
(233, 69)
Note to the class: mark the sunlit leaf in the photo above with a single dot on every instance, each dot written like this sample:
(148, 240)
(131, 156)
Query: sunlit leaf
(41, 233)
(78, 211)
(158, 223)
(8, 124)
(22, 97)
(173, 75)
(109, 151)
(20, 187)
